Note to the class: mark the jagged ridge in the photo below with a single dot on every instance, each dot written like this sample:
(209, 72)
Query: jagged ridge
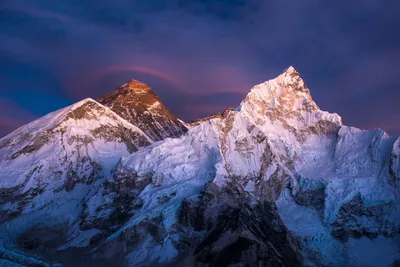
(274, 182)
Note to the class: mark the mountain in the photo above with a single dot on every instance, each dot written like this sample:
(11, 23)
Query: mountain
(274, 182)
(137, 103)
(276, 160)
(73, 145)
(48, 167)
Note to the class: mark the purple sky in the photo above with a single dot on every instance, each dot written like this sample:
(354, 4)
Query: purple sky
(200, 56)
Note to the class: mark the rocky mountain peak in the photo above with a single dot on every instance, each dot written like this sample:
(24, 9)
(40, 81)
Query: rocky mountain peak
(137, 86)
(137, 103)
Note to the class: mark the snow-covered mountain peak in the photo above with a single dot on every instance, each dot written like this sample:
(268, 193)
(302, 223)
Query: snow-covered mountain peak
(290, 69)
(82, 102)
(294, 83)
(137, 103)
(286, 101)
(84, 109)
(77, 122)
(287, 90)
(275, 182)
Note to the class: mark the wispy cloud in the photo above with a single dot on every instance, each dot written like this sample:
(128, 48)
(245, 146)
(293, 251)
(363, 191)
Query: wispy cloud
(345, 51)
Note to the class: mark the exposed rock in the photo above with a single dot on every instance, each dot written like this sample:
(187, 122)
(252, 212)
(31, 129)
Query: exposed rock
(222, 115)
(138, 104)
(356, 219)
(236, 233)
(275, 182)
(132, 139)
(42, 239)
(120, 203)
(310, 193)
(38, 142)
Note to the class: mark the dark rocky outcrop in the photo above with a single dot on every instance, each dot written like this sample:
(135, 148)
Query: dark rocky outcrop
(138, 104)
(357, 219)
(235, 233)
(310, 193)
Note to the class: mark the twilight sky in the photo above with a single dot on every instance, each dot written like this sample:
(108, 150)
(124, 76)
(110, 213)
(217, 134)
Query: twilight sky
(200, 56)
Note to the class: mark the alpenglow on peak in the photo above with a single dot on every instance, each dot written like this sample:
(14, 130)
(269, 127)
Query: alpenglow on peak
(137, 103)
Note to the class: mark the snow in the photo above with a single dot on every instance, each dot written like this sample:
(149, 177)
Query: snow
(46, 169)
(276, 129)
(153, 252)
(10, 258)
(307, 225)
(6, 263)
(154, 106)
(49, 209)
(15, 172)
(179, 167)
(346, 163)
(78, 238)
(395, 162)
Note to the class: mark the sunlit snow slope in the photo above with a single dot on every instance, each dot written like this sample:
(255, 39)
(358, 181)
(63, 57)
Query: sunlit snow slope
(336, 187)
(274, 182)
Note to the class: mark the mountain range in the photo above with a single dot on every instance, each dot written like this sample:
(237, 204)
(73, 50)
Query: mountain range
(276, 181)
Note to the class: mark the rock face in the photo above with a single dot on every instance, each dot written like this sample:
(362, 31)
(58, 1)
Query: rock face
(138, 104)
(274, 182)
(237, 232)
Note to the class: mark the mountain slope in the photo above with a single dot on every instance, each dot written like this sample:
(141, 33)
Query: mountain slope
(138, 104)
(274, 182)
(332, 184)
(51, 165)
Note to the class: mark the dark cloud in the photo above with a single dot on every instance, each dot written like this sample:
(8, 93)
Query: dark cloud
(12, 116)
(44, 31)
(202, 56)
(226, 10)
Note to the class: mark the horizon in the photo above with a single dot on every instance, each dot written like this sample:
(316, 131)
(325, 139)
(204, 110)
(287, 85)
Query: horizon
(200, 57)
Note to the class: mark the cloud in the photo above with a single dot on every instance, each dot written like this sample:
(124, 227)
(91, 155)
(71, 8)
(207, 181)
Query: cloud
(194, 107)
(189, 48)
(12, 116)
(367, 94)
(37, 12)
(141, 69)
